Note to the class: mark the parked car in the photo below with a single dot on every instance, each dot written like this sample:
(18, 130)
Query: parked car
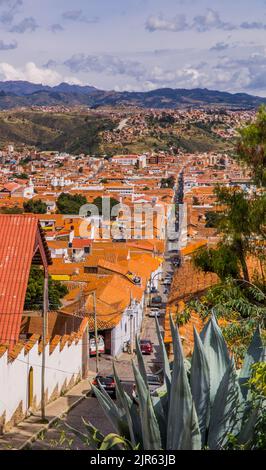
(101, 345)
(156, 300)
(154, 382)
(146, 346)
(107, 382)
(154, 312)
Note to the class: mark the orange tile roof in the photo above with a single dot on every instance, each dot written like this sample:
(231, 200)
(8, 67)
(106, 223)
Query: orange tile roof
(18, 235)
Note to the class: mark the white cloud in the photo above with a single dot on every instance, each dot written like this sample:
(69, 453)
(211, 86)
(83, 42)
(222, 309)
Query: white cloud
(34, 74)
(155, 23)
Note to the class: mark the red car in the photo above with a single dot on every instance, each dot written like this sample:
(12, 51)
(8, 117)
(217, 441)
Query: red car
(146, 346)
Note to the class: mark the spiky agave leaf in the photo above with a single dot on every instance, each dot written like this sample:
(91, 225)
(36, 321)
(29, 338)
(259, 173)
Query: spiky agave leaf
(130, 410)
(200, 385)
(166, 365)
(141, 362)
(143, 399)
(160, 406)
(255, 353)
(116, 416)
(151, 425)
(226, 413)
(216, 353)
(247, 431)
(183, 431)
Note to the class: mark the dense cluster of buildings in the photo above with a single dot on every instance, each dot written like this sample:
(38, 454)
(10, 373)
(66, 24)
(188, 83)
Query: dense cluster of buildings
(104, 273)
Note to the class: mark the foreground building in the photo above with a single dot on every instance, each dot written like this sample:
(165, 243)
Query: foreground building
(26, 336)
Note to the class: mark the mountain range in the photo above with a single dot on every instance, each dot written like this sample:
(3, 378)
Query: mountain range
(14, 94)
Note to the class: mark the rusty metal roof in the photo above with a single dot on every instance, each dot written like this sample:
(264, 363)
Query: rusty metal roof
(20, 236)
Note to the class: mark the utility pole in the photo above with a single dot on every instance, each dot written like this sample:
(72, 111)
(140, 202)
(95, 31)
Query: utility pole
(96, 331)
(44, 334)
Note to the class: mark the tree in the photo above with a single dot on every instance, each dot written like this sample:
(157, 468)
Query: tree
(11, 210)
(212, 219)
(22, 176)
(251, 148)
(70, 203)
(223, 261)
(240, 306)
(35, 206)
(99, 202)
(34, 294)
(168, 182)
(234, 223)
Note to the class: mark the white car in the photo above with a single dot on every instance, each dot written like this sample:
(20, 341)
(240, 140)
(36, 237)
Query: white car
(154, 312)
(101, 346)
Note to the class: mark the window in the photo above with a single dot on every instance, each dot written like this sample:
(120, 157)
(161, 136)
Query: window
(90, 270)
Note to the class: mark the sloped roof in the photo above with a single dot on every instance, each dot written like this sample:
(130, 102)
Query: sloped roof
(20, 238)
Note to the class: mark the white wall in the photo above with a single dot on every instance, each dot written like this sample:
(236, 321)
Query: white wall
(121, 333)
(60, 368)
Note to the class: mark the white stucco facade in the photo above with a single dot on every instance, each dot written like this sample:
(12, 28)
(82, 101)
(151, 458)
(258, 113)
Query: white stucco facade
(62, 367)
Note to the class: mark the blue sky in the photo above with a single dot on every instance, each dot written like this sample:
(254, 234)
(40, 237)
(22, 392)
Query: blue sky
(136, 44)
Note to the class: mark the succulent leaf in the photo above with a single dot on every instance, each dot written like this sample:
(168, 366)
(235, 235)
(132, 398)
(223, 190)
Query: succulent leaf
(200, 385)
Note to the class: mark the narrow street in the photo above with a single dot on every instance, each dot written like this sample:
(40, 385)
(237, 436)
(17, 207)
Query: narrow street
(59, 437)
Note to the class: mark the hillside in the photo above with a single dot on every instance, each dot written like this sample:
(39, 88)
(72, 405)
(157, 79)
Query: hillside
(73, 133)
(15, 94)
(76, 133)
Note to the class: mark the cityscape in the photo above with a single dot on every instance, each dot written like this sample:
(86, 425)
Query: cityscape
(132, 240)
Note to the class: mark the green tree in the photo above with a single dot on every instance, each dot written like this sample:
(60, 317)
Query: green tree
(242, 307)
(251, 148)
(99, 201)
(223, 261)
(212, 219)
(168, 182)
(35, 206)
(70, 203)
(11, 210)
(34, 294)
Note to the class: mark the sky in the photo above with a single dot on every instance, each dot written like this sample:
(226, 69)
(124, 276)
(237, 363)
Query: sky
(136, 45)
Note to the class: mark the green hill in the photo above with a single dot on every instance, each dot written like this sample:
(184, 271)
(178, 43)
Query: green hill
(73, 132)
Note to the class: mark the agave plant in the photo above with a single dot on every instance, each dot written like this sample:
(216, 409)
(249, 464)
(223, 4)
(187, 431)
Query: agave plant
(205, 407)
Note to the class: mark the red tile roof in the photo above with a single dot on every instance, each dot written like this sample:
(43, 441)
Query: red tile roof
(20, 237)
(79, 243)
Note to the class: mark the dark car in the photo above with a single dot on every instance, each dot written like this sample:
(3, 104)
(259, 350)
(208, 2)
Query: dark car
(154, 382)
(156, 300)
(107, 382)
(146, 346)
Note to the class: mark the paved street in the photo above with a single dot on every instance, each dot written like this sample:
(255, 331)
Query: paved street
(60, 437)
